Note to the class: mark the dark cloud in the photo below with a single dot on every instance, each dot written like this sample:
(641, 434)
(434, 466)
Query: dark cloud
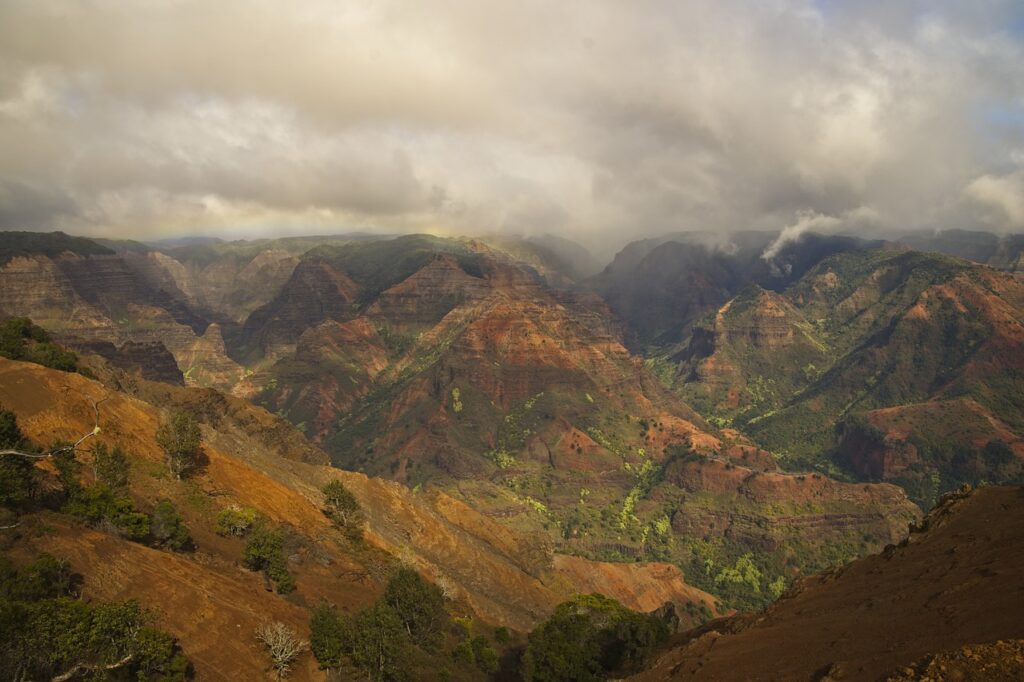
(614, 119)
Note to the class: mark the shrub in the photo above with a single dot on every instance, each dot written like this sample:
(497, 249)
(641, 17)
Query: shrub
(168, 528)
(44, 578)
(97, 504)
(485, 656)
(236, 521)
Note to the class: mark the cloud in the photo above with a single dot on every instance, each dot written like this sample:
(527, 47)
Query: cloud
(605, 119)
(857, 221)
(1004, 195)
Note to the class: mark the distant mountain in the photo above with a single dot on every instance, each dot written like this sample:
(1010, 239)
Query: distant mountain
(905, 366)
(50, 244)
(451, 362)
(659, 287)
(447, 362)
(1004, 252)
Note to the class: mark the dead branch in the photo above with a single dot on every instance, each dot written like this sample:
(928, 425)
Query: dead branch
(82, 667)
(64, 448)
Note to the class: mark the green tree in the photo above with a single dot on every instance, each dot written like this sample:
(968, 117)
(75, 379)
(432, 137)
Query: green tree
(68, 468)
(110, 466)
(590, 638)
(100, 506)
(375, 641)
(48, 635)
(168, 528)
(342, 505)
(419, 605)
(44, 578)
(327, 636)
(484, 654)
(180, 440)
(17, 473)
(265, 552)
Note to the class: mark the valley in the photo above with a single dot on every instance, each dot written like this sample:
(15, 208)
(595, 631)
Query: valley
(694, 424)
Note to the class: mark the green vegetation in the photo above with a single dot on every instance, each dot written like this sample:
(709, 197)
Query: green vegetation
(382, 640)
(22, 340)
(48, 633)
(102, 507)
(110, 466)
(17, 474)
(168, 528)
(180, 440)
(418, 604)
(265, 552)
(236, 521)
(588, 638)
(342, 506)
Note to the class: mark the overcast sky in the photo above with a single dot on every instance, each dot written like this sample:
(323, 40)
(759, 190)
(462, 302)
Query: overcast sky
(580, 117)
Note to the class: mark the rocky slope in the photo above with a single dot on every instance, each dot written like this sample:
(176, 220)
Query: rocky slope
(897, 362)
(473, 374)
(253, 460)
(449, 362)
(955, 584)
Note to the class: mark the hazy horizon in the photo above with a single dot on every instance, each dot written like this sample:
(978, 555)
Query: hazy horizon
(600, 122)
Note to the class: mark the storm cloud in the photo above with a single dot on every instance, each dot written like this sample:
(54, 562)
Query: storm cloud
(596, 118)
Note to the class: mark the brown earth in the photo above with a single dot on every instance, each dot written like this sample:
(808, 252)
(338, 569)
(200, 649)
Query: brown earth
(501, 576)
(1001, 661)
(956, 582)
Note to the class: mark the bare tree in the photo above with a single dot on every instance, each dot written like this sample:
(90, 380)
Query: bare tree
(14, 452)
(283, 645)
(63, 448)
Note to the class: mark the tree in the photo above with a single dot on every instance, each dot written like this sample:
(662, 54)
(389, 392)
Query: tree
(418, 604)
(180, 440)
(590, 638)
(98, 505)
(167, 526)
(68, 469)
(17, 474)
(342, 505)
(265, 552)
(110, 467)
(375, 641)
(283, 645)
(327, 636)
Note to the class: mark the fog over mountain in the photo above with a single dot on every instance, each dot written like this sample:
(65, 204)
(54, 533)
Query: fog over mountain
(602, 120)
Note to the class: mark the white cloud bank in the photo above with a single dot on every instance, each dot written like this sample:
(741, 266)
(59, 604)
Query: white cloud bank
(585, 116)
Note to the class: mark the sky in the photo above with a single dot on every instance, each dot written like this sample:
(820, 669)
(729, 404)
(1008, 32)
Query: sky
(591, 119)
